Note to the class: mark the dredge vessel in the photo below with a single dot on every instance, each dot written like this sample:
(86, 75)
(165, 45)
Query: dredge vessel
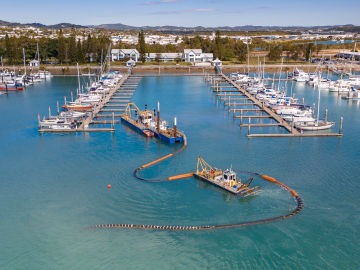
(147, 124)
(225, 179)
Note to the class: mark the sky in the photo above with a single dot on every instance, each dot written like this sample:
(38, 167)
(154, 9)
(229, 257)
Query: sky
(184, 12)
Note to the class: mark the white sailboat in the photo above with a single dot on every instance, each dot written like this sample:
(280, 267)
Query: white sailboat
(316, 124)
(354, 94)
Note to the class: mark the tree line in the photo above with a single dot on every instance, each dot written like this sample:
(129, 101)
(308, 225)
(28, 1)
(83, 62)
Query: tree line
(68, 50)
(229, 49)
(62, 50)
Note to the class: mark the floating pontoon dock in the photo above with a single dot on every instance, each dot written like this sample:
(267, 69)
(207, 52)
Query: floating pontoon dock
(228, 92)
(114, 102)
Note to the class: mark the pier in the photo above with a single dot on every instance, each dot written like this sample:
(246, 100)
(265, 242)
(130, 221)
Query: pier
(228, 92)
(113, 102)
(117, 102)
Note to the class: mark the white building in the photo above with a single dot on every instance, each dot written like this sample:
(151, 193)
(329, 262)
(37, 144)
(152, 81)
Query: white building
(216, 63)
(34, 63)
(119, 54)
(196, 55)
(189, 55)
(131, 63)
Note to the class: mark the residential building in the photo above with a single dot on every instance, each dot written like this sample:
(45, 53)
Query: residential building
(196, 55)
(120, 54)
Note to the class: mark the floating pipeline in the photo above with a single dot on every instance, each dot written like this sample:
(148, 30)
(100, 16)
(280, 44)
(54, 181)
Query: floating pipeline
(297, 210)
(176, 177)
(204, 227)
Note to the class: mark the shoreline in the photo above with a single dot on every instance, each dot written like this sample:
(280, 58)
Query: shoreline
(84, 70)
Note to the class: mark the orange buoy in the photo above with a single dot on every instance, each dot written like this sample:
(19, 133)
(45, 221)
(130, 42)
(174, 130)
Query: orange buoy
(109, 186)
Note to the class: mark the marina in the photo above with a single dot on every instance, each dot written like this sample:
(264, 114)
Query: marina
(171, 134)
(94, 104)
(16, 81)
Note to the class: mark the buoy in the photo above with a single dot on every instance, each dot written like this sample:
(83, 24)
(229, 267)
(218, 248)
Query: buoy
(109, 186)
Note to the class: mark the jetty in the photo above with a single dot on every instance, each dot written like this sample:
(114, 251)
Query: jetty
(110, 106)
(236, 99)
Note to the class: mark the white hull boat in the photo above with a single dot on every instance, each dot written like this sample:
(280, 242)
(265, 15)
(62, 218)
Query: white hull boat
(313, 126)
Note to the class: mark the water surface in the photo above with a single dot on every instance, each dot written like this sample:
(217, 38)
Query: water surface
(53, 186)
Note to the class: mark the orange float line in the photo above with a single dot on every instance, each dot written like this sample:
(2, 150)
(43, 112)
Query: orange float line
(156, 161)
(273, 180)
(180, 176)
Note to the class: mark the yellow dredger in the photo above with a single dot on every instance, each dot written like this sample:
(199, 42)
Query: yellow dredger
(226, 179)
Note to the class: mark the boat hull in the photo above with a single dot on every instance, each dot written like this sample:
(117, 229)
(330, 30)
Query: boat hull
(77, 108)
(161, 136)
(314, 128)
(351, 98)
(11, 88)
(135, 127)
(170, 140)
(216, 184)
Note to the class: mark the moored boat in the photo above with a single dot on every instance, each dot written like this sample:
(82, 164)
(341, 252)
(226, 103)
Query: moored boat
(354, 94)
(11, 86)
(77, 106)
(314, 125)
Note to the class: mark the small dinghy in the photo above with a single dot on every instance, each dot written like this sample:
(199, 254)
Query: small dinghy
(148, 133)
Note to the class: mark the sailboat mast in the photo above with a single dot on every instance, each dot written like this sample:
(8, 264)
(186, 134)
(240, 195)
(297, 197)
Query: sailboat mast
(24, 61)
(352, 58)
(37, 51)
(258, 68)
(90, 81)
(318, 106)
(263, 73)
(248, 55)
(109, 57)
(260, 71)
(78, 72)
(102, 64)
(280, 73)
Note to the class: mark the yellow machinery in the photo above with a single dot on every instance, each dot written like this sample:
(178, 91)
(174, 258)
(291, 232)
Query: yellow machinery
(205, 170)
(225, 179)
(132, 108)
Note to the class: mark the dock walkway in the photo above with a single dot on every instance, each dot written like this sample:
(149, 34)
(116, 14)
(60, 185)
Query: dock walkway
(228, 91)
(115, 101)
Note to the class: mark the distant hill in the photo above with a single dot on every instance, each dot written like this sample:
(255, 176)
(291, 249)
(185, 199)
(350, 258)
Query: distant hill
(56, 26)
(251, 28)
(116, 26)
(4, 23)
(40, 25)
(183, 29)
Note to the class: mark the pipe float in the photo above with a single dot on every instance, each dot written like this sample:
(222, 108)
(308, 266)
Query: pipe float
(297, 210)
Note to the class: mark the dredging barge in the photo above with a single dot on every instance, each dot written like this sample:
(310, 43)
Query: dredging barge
(225, 179)
(145, 123)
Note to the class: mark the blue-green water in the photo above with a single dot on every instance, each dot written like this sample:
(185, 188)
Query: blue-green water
(53, 186)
